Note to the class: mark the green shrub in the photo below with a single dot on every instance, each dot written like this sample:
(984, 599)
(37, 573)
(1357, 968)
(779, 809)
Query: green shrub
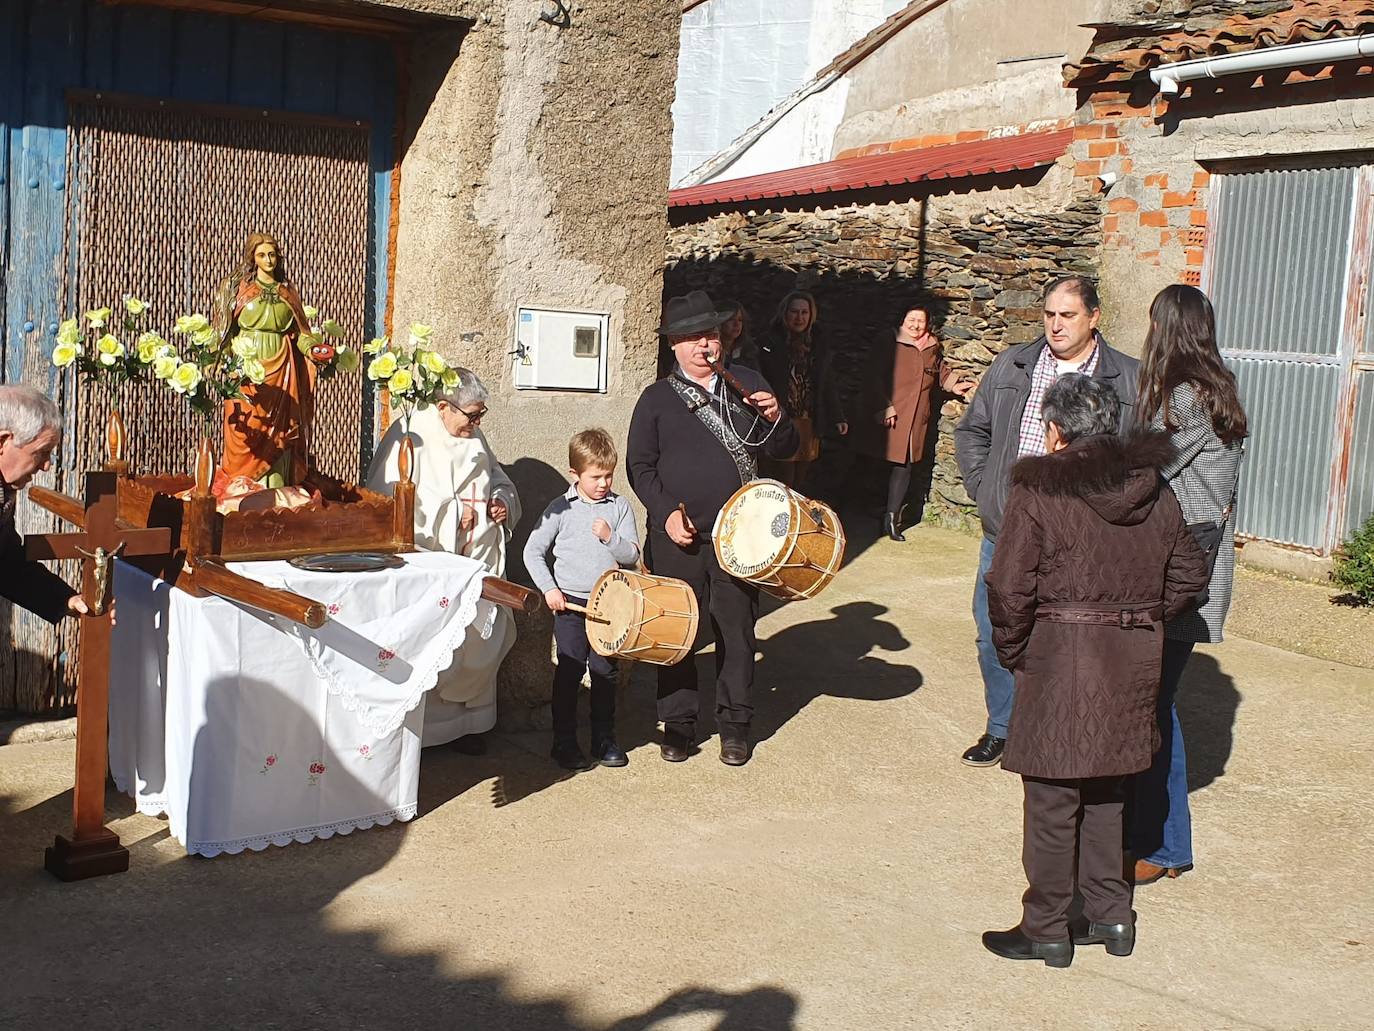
(1354, 568)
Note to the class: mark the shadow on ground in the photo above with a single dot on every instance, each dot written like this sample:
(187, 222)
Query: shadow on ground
(256, 940)
(1207, 704)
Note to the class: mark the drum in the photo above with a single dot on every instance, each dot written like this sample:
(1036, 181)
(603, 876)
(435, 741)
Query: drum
(638, 616)
(784, 542)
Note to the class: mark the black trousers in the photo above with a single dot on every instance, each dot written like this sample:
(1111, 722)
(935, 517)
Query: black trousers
(575, 657)
(1064, 817)
(733, 606)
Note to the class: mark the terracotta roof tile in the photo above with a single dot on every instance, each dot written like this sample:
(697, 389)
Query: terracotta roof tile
(1005, 154)
(1123, 50)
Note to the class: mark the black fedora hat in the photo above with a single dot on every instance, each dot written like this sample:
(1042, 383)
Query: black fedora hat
(691, 313)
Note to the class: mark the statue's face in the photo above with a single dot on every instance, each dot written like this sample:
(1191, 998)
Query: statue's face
(265, 257)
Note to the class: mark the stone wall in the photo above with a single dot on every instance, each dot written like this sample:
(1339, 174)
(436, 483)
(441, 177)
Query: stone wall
(981, 259)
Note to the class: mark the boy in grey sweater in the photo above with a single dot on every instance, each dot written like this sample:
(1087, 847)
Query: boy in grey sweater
(588, 531)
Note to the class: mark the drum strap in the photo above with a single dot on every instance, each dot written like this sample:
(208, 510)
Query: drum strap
(698, 402)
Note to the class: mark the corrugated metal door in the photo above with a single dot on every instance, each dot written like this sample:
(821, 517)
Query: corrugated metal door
(1288, 253)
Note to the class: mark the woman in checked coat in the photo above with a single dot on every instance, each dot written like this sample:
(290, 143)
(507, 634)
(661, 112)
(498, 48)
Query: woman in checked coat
(1093, 558)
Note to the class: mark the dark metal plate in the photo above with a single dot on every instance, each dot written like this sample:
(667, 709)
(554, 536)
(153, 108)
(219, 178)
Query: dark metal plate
(347, 562)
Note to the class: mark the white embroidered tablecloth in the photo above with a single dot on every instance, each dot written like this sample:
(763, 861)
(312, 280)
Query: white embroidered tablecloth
(249, 730)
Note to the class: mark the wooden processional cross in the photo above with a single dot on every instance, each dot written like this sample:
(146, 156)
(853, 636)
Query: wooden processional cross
(93, 849)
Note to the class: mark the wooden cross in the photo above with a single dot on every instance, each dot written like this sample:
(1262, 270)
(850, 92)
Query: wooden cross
(93, 849)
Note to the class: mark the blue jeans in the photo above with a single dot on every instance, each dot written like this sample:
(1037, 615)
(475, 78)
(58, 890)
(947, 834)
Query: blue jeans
(999, 687)
(1161, 825)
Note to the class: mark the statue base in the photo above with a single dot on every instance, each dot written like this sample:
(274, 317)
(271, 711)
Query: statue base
(98, 855)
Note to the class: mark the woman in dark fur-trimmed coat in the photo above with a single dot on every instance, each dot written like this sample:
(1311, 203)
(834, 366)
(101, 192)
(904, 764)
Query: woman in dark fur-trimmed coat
(1093, 557)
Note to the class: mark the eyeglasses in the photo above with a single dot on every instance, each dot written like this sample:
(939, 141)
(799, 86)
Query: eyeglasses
(476, 416)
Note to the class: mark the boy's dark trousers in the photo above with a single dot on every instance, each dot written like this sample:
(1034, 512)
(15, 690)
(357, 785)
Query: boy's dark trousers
(575, 657)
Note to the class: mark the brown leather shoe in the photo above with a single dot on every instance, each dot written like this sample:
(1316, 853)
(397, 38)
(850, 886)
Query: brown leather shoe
(734, 747)
(676, 746)
(1148, 873)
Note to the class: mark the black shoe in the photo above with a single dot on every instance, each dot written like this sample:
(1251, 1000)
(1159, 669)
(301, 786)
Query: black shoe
(987, 752)
(734, 745)
(471, 744)
(1015, 945)
(568, 755)
(676, 746)
(608, 753)
(1119, 939)
(891, 527)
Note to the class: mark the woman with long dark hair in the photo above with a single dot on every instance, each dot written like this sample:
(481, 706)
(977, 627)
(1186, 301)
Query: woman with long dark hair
(1186, 390)
(736, 341)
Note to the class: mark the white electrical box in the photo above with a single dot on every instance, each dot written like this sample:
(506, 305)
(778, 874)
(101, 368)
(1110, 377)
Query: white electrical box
(560, 350)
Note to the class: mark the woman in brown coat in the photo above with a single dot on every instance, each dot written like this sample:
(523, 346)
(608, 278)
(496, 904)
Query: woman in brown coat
(1093, 557)
(904, 366)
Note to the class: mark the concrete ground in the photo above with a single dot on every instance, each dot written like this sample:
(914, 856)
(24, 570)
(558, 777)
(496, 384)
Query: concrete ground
(838, 881)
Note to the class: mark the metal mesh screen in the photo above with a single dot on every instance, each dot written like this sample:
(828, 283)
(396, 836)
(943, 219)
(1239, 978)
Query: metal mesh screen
(163, 197)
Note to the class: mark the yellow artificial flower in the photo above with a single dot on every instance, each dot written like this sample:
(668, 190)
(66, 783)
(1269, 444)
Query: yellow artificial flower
(347, 360)
(165, 365)
(432, 361)
(151, 346)
(451, 379)
(382, 367)
(98, 317)
(254, 370)
(69, 332)
(192, 323)
(420, 334)
(311, 312)
(64, 354)
(134, 306)
(376, 345)
(401, 382)
(331, 328)
(186, 378)
(110, 349)
(244, 346)
(204, 337)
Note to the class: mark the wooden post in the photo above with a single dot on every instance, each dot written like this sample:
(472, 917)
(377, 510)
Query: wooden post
(93, 849)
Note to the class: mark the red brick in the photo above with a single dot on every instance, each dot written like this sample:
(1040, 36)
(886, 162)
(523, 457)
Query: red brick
(1083, 168)
(1127, 166)
(1120, 204)
(1104, 149)
(1162, 181)
(1201, 179)
(1092, 131)
(1110, 223)
(1151, 256)
(1110, 130)
(1191, 277)
(1193, 255)
(1173, 199)
(1165, 237)
(1154, 219)
(970, 137)
(1198, 217)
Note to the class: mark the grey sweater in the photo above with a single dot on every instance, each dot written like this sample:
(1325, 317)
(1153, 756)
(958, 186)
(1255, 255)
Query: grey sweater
(579, 556)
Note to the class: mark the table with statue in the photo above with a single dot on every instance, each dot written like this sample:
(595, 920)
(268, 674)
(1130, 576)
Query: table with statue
(269, 675)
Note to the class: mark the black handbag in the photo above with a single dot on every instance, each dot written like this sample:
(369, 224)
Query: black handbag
(1208, 536)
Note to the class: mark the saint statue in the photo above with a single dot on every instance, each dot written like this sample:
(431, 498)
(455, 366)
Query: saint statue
(267, 433)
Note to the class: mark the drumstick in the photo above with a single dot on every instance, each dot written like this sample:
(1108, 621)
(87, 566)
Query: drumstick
(686, 520)
(730, 378)
(581, 610)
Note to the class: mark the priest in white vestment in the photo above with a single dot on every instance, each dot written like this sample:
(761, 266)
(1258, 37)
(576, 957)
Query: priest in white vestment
(466, 504)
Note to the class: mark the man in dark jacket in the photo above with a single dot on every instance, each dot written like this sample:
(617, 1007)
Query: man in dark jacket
(1093, 557)
(693, 442)
(30, 428)
(1003, 424)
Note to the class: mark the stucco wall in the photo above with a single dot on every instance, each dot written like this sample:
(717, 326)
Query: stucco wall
(942, 73)
(535, 173)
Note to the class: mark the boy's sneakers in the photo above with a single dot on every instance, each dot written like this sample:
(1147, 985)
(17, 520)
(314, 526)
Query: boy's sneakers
(569, 756)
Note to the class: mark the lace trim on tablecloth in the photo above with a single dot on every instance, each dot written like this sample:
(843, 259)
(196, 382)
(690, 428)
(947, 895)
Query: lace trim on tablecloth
(382, 721)
(210, 849)
(148, 805)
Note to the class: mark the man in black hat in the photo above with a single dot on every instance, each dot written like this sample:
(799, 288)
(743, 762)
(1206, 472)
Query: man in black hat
(694, 440)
